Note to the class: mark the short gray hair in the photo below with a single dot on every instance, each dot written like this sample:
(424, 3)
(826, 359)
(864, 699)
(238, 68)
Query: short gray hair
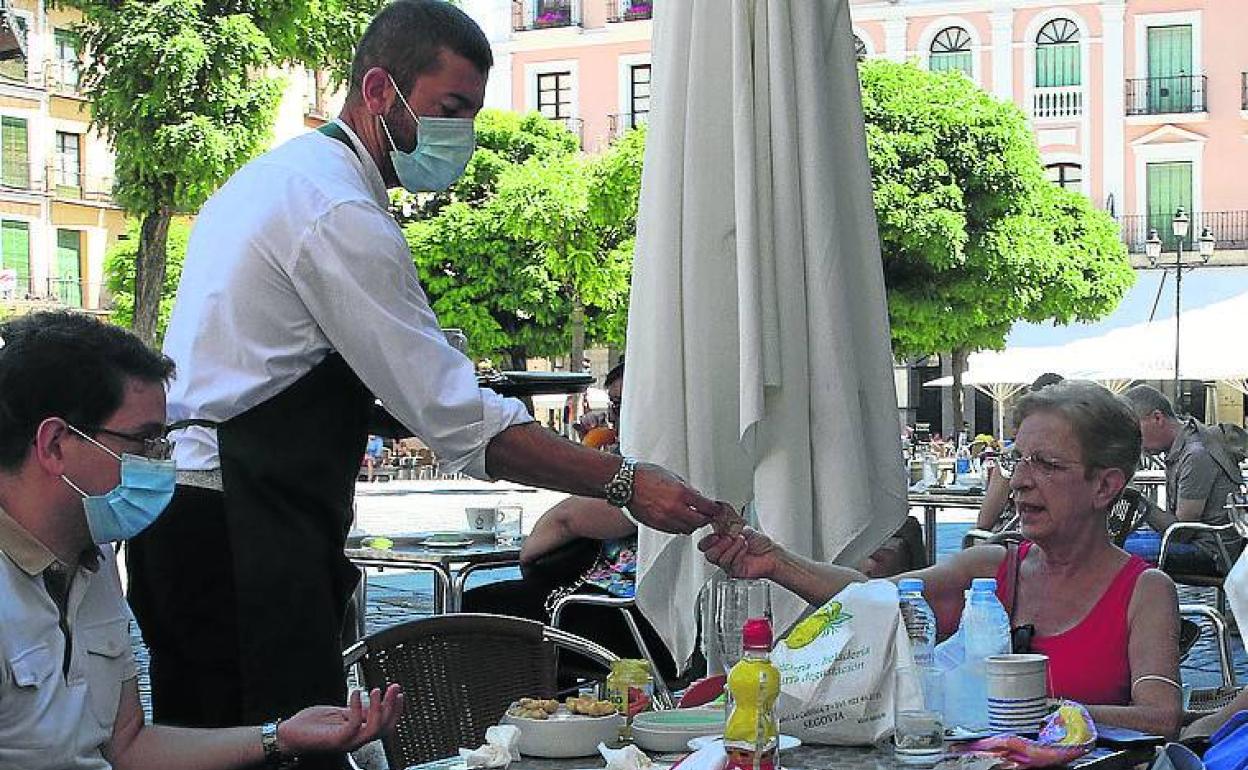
(1145, 399)
(1107, 431)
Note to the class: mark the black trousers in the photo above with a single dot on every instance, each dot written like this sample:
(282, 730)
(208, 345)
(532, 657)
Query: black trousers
(183, 593)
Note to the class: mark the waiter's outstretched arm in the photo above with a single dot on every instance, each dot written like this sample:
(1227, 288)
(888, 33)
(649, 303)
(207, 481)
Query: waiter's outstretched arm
(532, 454)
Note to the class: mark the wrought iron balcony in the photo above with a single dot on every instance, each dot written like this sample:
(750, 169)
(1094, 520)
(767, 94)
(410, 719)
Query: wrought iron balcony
(619, 123)
(1167, 95)
(575, 125)
(67, 183)
(544, 14)
(629, 10)
(1229, 229)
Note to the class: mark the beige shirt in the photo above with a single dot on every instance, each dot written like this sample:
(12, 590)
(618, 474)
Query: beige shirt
(50, 716)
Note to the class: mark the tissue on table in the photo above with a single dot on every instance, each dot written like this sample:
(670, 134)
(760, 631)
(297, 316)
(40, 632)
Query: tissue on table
(712, 756)
(628, 758)
(502, 747)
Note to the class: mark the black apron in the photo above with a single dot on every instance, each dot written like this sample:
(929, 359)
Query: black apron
(241, 595)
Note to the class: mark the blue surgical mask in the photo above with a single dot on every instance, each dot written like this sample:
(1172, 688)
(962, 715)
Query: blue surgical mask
(443, 148)
(130, 507)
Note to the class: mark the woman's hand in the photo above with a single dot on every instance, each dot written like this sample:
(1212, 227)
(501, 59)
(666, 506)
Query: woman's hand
(330, 729)
(745, 554)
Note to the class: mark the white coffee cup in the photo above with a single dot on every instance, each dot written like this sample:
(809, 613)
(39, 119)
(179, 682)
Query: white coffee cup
(481, 519)
(1017, 691)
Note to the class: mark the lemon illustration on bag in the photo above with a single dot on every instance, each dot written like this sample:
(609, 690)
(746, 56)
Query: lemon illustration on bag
(814, 626)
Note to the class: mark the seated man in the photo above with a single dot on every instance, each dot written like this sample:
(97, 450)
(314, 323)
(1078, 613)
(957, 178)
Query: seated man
(1199, 475)
(84, 462)
(1108, 622)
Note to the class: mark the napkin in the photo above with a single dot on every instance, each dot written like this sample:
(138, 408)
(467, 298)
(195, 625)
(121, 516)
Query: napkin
(628, 758)
(500, 750)
(712, 756)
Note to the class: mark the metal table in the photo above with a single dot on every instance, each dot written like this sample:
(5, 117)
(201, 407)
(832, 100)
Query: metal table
(450, 566)
(821, 757)
(935, 500)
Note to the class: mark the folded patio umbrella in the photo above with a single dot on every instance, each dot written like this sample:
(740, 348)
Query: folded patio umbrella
(758, 342)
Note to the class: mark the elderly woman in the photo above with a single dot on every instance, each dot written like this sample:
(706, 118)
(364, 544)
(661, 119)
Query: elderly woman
(1108, 623)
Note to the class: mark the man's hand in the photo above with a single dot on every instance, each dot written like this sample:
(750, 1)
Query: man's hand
(664, 502)
(748, 554)
(321, 729)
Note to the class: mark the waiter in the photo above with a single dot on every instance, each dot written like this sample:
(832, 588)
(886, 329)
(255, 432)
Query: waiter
(299, 304)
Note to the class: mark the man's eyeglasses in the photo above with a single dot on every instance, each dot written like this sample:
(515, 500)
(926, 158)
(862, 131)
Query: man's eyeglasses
(1009, 462)
(154, 447)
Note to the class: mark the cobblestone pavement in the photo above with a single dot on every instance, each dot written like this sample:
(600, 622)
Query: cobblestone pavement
(406, 506)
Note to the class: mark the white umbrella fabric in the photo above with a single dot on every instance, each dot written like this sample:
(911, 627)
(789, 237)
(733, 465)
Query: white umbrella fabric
(759, 364)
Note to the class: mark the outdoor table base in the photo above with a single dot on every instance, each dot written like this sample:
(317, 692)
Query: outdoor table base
(820, 757)
(450, 566)
(931, 502)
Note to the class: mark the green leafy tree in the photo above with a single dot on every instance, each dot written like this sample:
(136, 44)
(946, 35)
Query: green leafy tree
(179, 88)
(119, 270)
(974, 238)
(531, 254)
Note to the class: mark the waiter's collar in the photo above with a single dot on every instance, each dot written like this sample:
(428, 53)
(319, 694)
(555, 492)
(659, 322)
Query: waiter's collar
(375, 183)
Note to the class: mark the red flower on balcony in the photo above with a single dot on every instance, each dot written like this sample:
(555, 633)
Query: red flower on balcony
(554, 17)
(638, 10)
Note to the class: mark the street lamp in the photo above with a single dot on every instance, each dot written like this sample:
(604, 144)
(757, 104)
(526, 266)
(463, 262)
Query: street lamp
(1179, 226)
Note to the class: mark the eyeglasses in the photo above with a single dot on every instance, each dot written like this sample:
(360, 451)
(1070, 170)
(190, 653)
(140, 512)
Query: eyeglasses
(1009, 462)
(154, 447)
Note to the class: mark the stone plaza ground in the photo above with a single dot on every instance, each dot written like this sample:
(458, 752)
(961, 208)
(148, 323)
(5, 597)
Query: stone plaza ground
(393, 507)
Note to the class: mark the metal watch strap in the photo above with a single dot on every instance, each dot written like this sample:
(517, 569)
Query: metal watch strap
(620, 488)
(273, 756)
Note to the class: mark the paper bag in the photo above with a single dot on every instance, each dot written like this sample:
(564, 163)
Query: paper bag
(1236, 587)
(837, 668)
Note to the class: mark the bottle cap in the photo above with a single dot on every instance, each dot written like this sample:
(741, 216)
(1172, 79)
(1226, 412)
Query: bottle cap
(756, 634)
(984, 584)
(910, 585)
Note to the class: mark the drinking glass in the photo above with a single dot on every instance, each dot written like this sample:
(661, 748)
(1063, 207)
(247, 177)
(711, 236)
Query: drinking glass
(508, 527)
(736, 601)
(919, 733)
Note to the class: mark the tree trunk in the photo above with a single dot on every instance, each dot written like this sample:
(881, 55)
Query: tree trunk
(577, 324)
(958, 361)
(149, 273)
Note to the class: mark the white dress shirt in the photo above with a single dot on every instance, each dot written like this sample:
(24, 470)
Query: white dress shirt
(296, 257)
(52, 718)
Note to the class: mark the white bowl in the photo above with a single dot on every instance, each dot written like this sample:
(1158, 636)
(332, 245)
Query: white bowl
(565, 735)
(670, 731)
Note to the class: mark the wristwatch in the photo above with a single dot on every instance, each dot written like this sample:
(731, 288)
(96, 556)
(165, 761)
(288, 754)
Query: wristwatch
(273, 756)
(620, 488)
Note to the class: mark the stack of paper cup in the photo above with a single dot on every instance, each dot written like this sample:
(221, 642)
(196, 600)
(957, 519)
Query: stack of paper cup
(1017, 692)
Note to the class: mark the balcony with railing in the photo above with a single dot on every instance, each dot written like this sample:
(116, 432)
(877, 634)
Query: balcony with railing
(544, 14)
(620, 123)
(66, 182)
(575, 125)
(1167, 95)
(1057, 102)
(1229, 230)
(19, 176)
(62, 77)
(629, 10)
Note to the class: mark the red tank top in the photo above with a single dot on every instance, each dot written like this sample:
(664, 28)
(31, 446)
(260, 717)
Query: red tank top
(1089, 662)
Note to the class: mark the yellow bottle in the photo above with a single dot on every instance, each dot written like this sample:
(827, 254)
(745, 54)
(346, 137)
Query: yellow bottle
(751, 734)
(631, 688)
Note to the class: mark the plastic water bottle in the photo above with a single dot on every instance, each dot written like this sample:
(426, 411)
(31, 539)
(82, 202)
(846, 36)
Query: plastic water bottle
(920, 621)
(985, 631)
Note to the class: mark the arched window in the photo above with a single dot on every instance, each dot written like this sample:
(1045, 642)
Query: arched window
(1068, 176)
(1057, 55)
(951, 50)
(860, 48)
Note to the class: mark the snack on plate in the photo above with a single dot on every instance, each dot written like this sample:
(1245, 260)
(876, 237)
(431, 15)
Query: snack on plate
(590, 707)
(534, 708)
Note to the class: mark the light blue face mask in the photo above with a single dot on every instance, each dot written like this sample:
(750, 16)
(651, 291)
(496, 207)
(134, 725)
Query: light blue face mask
(130, 507)
(443, 148)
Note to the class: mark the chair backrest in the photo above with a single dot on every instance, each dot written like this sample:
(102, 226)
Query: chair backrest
(459, 674)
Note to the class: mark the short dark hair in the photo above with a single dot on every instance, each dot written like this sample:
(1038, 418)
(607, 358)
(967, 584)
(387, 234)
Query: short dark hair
(1045, 380)
(1145, 399)
(407, 36)
(616, 373)
(1107, 431)
(68, 365)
